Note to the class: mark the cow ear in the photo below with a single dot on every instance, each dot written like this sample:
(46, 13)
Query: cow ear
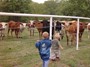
(6, 24)
(63, 23)
(34, 23)
(86, 23)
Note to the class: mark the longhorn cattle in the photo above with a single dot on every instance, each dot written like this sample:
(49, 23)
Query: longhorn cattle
(43, 26)
(39, 27)
(71, 30)
(88, 29)
(59, 28)
(3, 26)
(14, 27)
(31, 28)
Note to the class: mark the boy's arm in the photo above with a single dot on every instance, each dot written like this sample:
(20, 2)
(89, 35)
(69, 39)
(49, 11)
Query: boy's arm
(60, 45)
(37, 44)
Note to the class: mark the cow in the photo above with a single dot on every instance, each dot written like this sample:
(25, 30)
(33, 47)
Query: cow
(59, 28)
(3, 26)
(82, 27)
(31, 28)
(46, 26)
(71, 30)
(14, 27)
(39, 27)
(88, 29)
(43, 26)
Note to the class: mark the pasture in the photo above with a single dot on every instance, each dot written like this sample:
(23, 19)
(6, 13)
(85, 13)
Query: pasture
(21, 52)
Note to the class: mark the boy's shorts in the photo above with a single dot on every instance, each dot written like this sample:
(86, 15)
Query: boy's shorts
(54, 54)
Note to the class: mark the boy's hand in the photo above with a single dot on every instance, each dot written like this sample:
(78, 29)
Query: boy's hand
(62, 48)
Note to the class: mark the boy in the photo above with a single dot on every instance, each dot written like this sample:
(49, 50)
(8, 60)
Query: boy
(55, 48)
(44, 48)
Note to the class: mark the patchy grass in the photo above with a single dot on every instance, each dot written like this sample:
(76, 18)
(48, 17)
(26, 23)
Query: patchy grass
(22, 53)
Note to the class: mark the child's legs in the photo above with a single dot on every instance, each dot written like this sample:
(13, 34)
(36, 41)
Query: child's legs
(57, 53)
(52, 55)
(45, 63)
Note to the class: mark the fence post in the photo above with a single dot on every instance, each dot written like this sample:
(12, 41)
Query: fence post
(77, 44)
(50, 37)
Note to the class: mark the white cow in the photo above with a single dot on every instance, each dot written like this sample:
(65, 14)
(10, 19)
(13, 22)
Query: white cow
(88, 30)
(3, 27)
(22, 27)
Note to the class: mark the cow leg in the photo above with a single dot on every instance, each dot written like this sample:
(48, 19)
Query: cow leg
(8, 32)
(73, 39)
(40, 35)
(2, 34)
(30, 32)
(88, 31)
(12, 30)
(11, 33)
(80, 36)
(20, 32)
(19, 35)
(33, 32)
(62, 34)
(16, 33)
(88, 34)
(67, 36)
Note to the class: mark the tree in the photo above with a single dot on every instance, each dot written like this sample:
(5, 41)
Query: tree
(76, 8)
(37, 8)
(15, 6)
(50, 7)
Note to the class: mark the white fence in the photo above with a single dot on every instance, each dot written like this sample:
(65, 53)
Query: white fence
(51, 18)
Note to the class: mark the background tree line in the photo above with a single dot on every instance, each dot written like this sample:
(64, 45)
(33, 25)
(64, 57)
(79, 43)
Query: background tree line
(51, 7)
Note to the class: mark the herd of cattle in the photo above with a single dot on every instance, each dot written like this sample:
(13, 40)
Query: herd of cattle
(69, 28)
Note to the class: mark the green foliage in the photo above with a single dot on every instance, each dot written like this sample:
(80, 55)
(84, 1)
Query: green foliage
(37, 8)
(50, 7)
(76, 8)
(15, 6)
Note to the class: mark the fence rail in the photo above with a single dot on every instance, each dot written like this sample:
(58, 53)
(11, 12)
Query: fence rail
(40, 15)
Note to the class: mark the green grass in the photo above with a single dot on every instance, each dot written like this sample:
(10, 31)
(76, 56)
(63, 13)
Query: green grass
(22, 53)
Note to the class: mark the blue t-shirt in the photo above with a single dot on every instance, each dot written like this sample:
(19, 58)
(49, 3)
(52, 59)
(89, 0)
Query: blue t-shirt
(44, 48)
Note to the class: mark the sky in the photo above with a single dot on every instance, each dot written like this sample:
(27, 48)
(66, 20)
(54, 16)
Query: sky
(39, 1)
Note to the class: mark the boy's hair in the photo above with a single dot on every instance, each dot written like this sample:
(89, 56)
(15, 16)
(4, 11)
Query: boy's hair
(45, 34)
(57, 36)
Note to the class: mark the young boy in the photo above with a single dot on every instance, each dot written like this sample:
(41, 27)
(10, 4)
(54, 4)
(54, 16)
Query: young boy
(55, 48)
(44, 48)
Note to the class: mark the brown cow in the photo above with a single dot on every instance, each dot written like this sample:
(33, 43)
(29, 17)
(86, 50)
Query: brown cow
(43, 26)
(39, 27)
(14, 27)
(71, 30)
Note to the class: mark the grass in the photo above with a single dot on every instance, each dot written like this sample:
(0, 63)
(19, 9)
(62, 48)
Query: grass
(22, 53)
